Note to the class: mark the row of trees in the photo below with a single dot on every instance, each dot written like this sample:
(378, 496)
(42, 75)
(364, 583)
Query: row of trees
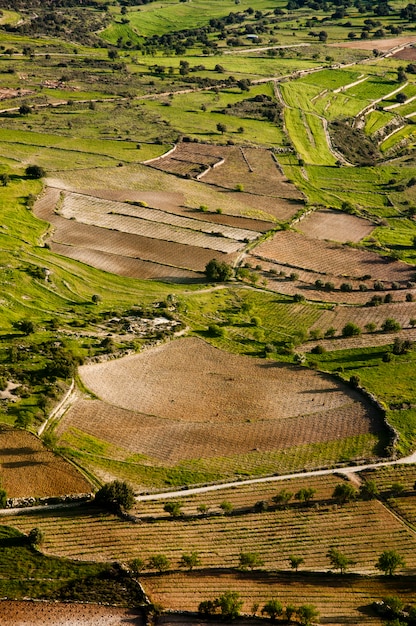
(229, 605)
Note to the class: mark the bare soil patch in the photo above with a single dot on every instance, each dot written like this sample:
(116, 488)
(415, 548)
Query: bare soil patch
(331, 259)
(378, 44)
(38, 613)
(169, 402)
(172, 441)
(408, 54)
(335, 226)
(29, 469)
(191, 381)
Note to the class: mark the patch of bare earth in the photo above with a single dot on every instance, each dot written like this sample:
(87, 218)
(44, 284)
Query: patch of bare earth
(335, 226)
(408, 54)
(39, 613)
(29, 469)
(169, 402)
(331, 259)
(382, 45)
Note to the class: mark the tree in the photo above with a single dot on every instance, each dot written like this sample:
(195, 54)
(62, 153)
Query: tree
(173, 508)
(401, 97)
(96, 298)
(273, 608)
(3, 498)
(369, 490)
(401, 75)
(137, 565)
(4, 179)
(295, 561)
(25, 109)
(218, 271)
(305, 495)
(35, 171)
(226, 506)
(230, 604)
(115, 496)
(307, 614)
(35, 537)
(159, 562)
(390, 325)
(344, 492)
(338, 560)
(389, 561)
(190, 560)
(250, 560)
(221, 128)
(351, 330)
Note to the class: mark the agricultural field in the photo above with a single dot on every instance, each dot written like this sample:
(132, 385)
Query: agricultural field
(138, 143)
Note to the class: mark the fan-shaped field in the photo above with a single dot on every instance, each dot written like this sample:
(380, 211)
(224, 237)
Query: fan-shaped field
(188, 402)
(331, 259)
(190, 381)
(29, 469)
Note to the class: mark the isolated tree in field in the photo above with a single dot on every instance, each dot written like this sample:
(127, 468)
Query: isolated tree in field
(35, 537)
(338, 560)
(115, 496)
(250, 560)
(369, 490)
(35, 171)
(173, 508)
(389, 561)
(230, 604)
(221, 128)
(96, 298)
(390, 325)
(207, 608)
(305, 495)
(159, 562)
(401, 75)
(273, 608)
(344, 492)
(190, 560)
(396, 490)
(227, 507)
(307, 614)
(4, 179)
(295, 562)
(137, 565)
(351, 330)
(282, 498)
(218, 271)
(25, 109)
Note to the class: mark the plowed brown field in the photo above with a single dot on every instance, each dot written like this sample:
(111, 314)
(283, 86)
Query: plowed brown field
(331, 259)
(29, 469)
(169, 403)
(335, 226)
(32, 613)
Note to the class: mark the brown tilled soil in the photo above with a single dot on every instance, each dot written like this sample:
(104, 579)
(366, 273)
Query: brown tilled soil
(331, 259)
(408, 54)
(29, 469)
(169, 402)
(335, 226)
(39, 613)
(378, 44)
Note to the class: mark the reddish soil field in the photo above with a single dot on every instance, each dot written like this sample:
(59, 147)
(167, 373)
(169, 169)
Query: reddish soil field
(331, 259)
(408, 54)
(379, 44)
(39, 613)
(335, 226)
(29, 469)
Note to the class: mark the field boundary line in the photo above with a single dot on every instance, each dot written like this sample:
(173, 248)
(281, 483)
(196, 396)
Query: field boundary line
(58, 411)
